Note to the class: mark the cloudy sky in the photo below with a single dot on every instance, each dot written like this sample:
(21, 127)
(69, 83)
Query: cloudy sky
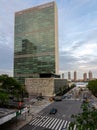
(77, 34)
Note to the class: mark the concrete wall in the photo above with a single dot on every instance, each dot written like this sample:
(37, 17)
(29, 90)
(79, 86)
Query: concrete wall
(44, 86)
(35, 86)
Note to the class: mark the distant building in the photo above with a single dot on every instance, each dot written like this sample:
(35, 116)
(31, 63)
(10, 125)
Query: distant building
(62, 75)
(69, 76)
(90, 75)
(85, 76)
(36, 42)
(75, 75)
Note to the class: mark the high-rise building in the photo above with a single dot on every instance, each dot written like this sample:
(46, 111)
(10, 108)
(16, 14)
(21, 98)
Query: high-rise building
(36, 42)
(90, 75)
(69, 76)
(75, 75)
(62, 75)
(85, 76)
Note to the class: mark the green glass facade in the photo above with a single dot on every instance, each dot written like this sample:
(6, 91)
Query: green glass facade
(35, 42)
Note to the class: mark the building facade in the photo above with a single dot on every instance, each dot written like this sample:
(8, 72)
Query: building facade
(90, 75)
(75, 75)
(36, 42)
(85, 76)
(62, 75)
(69, 76)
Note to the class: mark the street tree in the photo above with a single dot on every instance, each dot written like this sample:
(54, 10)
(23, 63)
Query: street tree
(3, 98)
(92, 86)
(9, 87)
(87, 120)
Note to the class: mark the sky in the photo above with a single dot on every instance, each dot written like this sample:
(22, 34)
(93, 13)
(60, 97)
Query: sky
(77, 34)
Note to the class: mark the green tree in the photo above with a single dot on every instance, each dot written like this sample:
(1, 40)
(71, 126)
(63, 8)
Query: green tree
(87, 120)
(92, 86)
(3, 98)
(10, 87)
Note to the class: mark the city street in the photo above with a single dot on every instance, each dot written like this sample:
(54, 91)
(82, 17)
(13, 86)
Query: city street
(43, 120)
(39, 117)
(70, 105)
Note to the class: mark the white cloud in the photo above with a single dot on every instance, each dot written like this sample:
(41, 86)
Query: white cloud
(86, 49)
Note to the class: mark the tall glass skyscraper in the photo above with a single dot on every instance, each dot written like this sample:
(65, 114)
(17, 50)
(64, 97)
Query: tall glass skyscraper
(36, 42)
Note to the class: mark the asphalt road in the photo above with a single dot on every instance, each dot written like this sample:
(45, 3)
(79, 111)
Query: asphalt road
(44, 121)
(65, 109)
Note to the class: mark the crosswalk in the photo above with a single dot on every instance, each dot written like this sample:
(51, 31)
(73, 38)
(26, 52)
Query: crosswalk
(51, 123)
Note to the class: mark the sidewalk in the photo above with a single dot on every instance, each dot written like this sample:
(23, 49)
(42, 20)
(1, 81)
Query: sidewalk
(20, 122)
(38, 106)
(34, 109)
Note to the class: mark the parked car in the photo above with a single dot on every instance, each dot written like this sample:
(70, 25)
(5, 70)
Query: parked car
(39, 98)
(64, 96)
(53, 111)
(58, 98)
(85, 101)
(69, 96)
